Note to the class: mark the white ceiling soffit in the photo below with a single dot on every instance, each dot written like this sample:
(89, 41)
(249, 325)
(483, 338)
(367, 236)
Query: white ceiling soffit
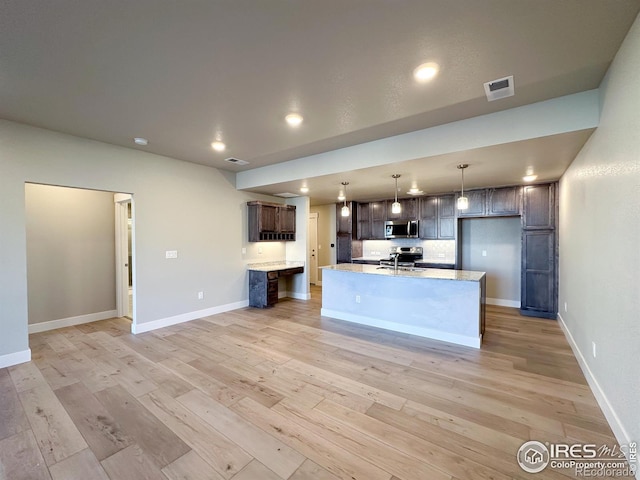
(493, 166)
(570, 113)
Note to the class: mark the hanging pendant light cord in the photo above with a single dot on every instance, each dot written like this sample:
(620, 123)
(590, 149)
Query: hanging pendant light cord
(396, 177)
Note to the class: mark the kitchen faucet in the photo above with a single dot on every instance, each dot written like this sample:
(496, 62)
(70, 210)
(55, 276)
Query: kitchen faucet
(396, 255)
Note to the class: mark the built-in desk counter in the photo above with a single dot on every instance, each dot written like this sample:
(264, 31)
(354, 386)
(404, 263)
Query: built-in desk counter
(263, 281)
(441, 304)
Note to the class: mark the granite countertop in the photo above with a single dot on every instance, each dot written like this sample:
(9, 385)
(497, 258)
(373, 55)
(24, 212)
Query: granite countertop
(433, 273)
(272, 266)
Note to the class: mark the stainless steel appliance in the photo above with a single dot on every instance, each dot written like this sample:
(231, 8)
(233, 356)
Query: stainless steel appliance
(396, 229)
(402, 257)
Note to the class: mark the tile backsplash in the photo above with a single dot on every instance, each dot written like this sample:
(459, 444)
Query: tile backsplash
(435, 251)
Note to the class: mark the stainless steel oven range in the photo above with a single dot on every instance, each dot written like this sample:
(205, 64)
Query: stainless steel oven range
(402, 257)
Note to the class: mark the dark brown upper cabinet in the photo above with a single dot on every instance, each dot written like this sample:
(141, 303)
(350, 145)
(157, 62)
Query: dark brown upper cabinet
(364, 221)
(437, 217)
(504, 201)
(269, 222)
(347, 244)
(409, 209)
(477, 204)
(538, 207)
(378, 217)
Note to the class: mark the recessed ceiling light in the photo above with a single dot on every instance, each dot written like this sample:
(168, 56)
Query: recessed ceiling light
(529, 175)
(140, 141)
(426, 71)
(218, 146)
(294, 119)
(304, 189)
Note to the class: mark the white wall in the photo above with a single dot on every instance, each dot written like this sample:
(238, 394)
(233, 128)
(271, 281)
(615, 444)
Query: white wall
(70, 252)
(600, 246)
(178, 206)
(501, 239)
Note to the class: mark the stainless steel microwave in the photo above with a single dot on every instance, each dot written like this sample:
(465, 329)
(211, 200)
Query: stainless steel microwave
(398, 229)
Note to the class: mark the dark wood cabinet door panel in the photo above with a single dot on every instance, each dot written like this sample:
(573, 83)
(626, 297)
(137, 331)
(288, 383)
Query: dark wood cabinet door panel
(447, 206)
(538, 207)
(409, 209)
(429, 218)
(539, 277)
(287, 219)
(477, 204)
(364, 221)
(343, 248)
(504, 201)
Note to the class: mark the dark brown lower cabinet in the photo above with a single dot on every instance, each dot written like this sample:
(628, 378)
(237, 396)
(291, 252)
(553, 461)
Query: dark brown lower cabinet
(263, 286)
(539, 283)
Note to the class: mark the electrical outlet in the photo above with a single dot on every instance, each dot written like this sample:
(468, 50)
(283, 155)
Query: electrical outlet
(200, 295)
(565, 307)
(244, 250)
(484, 253)
(171, 254)
(593, 345)
(357, 298)
(259, 250)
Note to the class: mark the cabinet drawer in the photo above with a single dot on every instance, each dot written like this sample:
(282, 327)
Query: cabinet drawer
(291, 271)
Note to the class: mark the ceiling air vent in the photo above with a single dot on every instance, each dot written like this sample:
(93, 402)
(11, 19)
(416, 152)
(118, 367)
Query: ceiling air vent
(236, 161)
(500, 88)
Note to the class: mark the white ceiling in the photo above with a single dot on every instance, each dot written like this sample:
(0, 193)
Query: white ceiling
(180, 73)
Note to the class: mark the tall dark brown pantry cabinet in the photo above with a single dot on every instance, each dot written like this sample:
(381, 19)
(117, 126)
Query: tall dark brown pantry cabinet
(539, 281)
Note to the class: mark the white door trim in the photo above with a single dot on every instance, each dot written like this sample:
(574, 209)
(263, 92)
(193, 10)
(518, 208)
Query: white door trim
(312, 248)
(122, 201)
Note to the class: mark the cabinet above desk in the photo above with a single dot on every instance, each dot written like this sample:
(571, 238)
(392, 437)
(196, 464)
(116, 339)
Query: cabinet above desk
(270, 222)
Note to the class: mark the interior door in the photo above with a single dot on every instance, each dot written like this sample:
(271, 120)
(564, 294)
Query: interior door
(124, 255)
(313, 248)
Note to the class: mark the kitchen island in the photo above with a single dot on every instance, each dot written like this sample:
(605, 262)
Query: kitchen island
(445, 305)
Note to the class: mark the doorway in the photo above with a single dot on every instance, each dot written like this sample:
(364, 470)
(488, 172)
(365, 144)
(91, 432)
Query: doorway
(313, 248)
(71, 247)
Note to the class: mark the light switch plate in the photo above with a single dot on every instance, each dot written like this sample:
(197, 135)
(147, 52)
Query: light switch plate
(171, 254)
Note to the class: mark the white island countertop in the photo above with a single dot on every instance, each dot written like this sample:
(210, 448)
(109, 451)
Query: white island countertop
(432, 273)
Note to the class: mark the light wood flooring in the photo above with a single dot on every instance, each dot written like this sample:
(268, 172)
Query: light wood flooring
(284, 393)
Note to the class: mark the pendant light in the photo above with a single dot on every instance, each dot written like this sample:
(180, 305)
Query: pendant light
(345, 210)
(463, 202)
(395, 206)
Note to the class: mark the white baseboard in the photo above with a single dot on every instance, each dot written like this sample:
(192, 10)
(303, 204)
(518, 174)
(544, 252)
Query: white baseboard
(502, 303)
(15, 358)
(186, 317)
(299, 296)
(71, 321)
(612, 417)
(411, 329)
